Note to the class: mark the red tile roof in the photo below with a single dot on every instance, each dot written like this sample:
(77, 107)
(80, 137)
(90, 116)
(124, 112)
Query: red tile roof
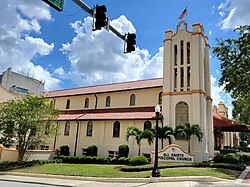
(110, 114)
(132, 85)
(228, 125)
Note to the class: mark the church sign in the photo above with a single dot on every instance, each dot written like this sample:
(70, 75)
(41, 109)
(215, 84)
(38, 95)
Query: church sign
(173, 154)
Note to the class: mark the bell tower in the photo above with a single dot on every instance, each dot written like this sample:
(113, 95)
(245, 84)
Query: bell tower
(186, 86)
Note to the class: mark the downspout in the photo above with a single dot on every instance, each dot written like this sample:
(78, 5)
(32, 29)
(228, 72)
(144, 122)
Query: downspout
(77, 129)
(96, 101)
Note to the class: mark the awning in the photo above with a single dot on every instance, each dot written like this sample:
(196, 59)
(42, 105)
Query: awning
(228, 125)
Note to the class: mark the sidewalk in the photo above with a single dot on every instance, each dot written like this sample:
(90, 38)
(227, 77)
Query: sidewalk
(76, 181)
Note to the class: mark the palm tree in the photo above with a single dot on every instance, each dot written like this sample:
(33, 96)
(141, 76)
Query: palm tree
(139, 135)
(165, 132)
(189, 130)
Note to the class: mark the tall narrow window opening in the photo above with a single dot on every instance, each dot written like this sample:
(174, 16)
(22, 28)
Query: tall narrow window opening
(67, 128)
(188, 53)
(89, 128)
(68, 104)
(116, 129)
(147, 125)
(175, 55)
(132, 100)
(86, 103)
(175, 79)
(160, 98)
(108, 100)
(188, 77)
(182, 78)
(182, 53)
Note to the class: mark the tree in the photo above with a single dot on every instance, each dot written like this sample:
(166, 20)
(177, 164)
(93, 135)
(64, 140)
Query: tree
(189, 130)
(234, 55)
(139, 135)
(241, 109)
(27, 121)
(165, 132)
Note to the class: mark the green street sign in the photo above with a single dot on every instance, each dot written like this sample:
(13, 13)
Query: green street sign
(56, 4)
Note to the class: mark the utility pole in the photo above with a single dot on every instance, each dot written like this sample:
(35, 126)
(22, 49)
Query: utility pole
(91, 12)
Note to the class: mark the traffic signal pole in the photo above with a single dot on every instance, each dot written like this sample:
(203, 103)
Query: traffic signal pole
(89, 10)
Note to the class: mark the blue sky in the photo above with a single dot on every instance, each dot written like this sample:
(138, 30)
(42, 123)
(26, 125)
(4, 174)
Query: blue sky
(61, 49)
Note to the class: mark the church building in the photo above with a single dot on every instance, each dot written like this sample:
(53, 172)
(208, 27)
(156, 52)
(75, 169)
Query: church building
(100, 115)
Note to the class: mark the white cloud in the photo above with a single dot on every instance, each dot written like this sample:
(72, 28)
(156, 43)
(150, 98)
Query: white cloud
(235, 13)
(17, 46)
(97, 57)
(218, 95)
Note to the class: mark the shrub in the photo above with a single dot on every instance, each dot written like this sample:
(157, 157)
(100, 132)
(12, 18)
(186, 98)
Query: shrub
(113, 160)
(122, 160)
(64, 150)
(138, 160)
(231, 158)
(227, 150)
(123, 151)
(101, 160)
(218, 158)
(92, 150)
(245, 158)
(88, 159)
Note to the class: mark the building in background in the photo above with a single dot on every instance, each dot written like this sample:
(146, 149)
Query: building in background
(20, 84)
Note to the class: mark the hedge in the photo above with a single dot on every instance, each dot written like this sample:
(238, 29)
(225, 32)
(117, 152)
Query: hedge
(6, 165)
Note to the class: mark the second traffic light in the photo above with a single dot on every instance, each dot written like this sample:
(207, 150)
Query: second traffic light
(130, 42)
(100, 17)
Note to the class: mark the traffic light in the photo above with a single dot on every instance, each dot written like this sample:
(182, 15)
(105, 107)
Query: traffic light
(100, 17)
(131, 42)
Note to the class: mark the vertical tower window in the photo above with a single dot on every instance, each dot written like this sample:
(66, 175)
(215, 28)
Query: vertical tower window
(182, 53)
(175, 79)
(147, 125)
(89, 128)
(160, 98)
(108, 99)
(175, 55)
(67, 128)
(188, 77)
(86, 103)
(132, 100)
(188, 53)
(182, 78)
(181, 113)
(116, 129)
(68, 104)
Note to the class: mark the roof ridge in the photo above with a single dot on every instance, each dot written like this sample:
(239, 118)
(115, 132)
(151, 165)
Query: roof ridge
(78, 88)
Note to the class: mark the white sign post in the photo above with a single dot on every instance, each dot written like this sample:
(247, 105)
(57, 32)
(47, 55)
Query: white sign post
(173, 154)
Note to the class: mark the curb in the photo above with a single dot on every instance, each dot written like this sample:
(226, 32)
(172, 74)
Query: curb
(243, 175)
(123, 180)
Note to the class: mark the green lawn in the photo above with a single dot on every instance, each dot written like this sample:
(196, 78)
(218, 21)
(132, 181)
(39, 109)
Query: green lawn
(112, 171)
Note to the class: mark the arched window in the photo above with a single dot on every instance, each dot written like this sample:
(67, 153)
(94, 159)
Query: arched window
(51, 104)
(67, 128)
(68, 104)
(175, 55)
(188, 52)
(86, 103)
(182, 52)
(108, 100)
(181, 113)
(160, 98)
(116, 129)
(147, 125)
(89, 128)
(132, 100)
